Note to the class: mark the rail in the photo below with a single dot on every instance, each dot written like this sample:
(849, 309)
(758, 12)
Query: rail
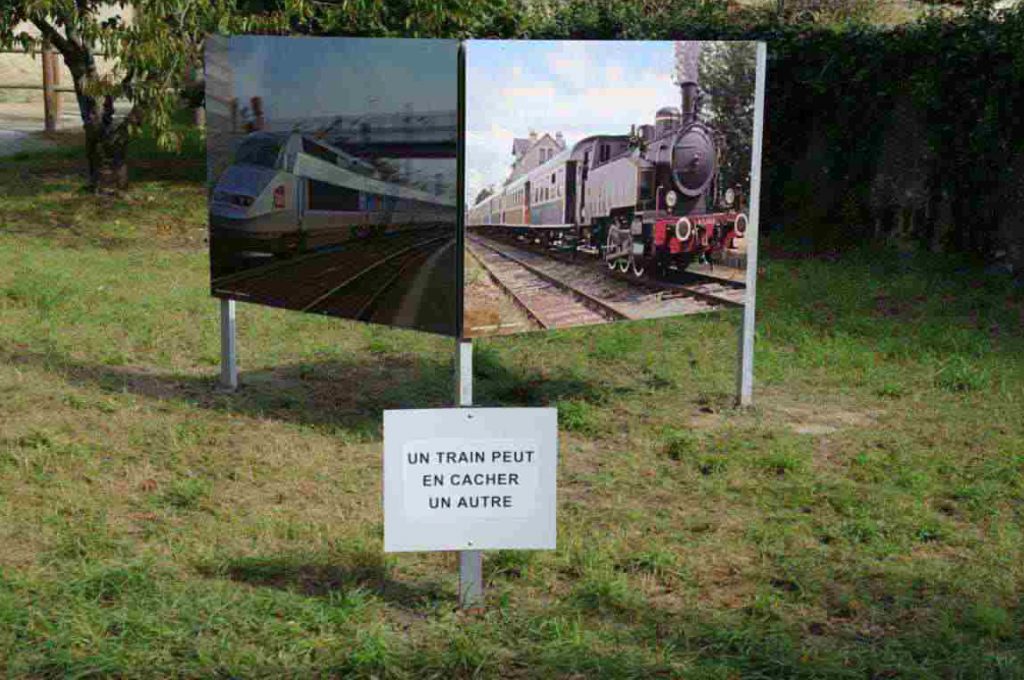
(587, 299)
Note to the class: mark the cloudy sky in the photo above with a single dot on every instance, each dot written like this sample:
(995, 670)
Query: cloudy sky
(580, 88)
(317, 77)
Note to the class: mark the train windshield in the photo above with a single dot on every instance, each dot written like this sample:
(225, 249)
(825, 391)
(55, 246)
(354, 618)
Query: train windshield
(261, 150)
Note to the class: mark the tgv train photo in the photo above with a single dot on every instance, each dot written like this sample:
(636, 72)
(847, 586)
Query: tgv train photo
(290, 192)
(332, 175)
(648, 202)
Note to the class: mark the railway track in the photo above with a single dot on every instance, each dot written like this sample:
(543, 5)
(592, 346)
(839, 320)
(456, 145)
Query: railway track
(624, 298)
(549, 302)
(311, 281)
(356, 297)
(709, 288)
(716, 290)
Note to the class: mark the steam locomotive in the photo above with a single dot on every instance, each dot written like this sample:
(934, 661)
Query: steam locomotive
(646, 201)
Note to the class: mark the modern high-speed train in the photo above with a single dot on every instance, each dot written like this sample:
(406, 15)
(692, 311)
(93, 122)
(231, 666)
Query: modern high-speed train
(290, 192)
(648, 200)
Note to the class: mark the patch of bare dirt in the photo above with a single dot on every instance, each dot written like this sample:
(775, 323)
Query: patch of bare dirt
(818, 419)
(489, 311)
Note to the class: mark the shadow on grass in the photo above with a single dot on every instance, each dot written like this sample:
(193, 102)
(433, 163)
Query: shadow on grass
(342, 397)
(498, 384)
(34, 173)
(46, 198)
(368, 572)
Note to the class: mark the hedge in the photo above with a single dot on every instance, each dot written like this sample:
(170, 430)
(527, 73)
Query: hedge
(913, 132)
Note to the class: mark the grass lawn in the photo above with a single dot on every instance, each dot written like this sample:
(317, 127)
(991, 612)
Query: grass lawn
(863, 521)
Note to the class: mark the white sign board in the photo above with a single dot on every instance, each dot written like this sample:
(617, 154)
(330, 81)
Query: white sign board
(470, 478)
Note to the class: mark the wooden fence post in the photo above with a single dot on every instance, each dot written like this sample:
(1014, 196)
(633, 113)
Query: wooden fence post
(51, 80)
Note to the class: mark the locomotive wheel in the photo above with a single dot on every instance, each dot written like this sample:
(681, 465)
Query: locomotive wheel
(619, 240)
(637, 265)
(609, 244)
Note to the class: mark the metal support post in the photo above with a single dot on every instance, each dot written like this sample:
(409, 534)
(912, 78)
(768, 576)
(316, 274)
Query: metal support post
(471, 573)
(228, 358)
(745, 378)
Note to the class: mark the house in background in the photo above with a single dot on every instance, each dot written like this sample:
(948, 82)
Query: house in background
(533, 151)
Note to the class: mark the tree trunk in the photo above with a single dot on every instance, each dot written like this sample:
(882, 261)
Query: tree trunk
(108, 170)
(105, 142)
(105, 145)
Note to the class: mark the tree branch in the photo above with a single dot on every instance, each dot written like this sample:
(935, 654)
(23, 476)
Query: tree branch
(120, 131)
(72, 32)
(128, 82)
(52, 35)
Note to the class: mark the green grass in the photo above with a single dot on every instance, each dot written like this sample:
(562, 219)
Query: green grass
(863, 520)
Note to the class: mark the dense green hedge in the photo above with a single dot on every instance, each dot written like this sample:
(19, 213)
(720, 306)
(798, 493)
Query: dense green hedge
(956, 89)
(947, 93)
(868, 130)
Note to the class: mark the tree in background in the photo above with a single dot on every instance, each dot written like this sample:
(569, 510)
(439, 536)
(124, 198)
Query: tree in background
(727, 77)
(157, 55)
(153, 56)
(837, 11)
(483, 195)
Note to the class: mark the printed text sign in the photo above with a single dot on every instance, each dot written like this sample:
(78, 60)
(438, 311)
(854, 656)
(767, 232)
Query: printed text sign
(470, 479)
(457, 479)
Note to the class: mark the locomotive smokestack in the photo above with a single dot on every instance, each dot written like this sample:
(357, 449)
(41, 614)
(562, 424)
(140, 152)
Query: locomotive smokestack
(687, 59)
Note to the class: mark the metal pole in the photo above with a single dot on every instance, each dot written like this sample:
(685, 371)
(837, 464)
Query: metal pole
(471, 572)
(745, 379)
(228, 358)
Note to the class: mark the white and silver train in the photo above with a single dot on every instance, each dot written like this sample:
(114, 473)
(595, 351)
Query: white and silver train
(290, 192)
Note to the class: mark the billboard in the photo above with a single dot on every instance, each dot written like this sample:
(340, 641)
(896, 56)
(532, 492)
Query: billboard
(517, 186)
(605, 181)
(332, 168)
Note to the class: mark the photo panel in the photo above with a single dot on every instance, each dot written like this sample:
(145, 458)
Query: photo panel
(332, 173)
(606, 181)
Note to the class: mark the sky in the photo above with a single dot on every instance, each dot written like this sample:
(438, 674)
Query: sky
(331, 76)
(316, 77)
(580, 88)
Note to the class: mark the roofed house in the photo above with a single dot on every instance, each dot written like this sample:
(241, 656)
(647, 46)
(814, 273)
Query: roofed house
(533, 151)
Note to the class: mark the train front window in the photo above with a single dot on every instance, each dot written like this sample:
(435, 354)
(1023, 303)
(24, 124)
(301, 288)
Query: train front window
(314, 149)
(259, 150)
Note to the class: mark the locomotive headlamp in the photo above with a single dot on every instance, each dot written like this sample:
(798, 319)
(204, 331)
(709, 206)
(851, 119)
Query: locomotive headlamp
(740, 226)
(670, 198)
(730, 196)
(683, 229)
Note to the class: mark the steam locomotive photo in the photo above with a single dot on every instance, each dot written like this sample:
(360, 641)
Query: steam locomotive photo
(648, 202)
